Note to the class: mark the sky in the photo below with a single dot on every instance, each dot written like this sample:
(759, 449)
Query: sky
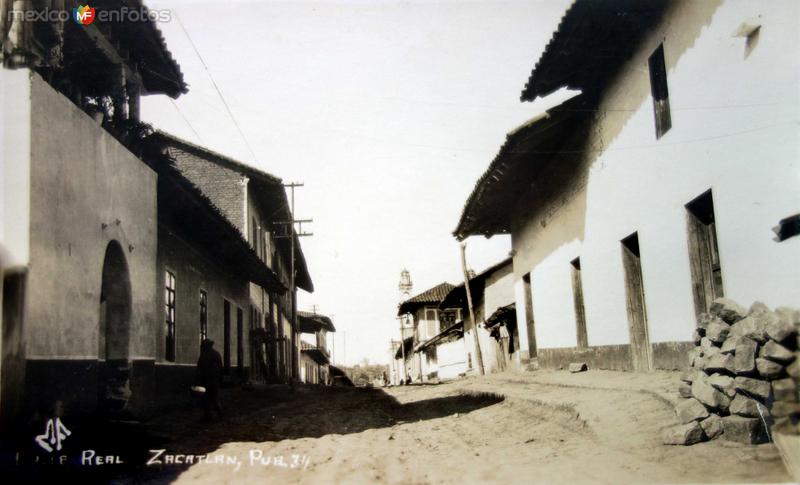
(387, 111)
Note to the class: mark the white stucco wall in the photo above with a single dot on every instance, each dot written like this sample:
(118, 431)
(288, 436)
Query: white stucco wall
(87, 190)
(15, 154)
(452, 359)
(734, 130)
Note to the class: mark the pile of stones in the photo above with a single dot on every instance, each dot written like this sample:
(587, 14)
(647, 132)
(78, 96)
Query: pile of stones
(742, 383)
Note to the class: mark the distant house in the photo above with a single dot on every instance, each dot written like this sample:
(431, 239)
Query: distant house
(314, 356)
(492, 292)
(453, 356)
(255, 203)
(634, 204)
(422, 311)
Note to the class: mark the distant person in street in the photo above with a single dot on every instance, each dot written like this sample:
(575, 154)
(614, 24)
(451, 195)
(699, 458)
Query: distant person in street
(209, 376)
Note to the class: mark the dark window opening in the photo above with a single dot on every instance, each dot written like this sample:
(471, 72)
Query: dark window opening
(580, 312)
(658, 87)
(203, 315)
(751, 41)
(529, 322)
(786, 228)
(169, 300)
(226, 337)
(704, 259)
(240, 341)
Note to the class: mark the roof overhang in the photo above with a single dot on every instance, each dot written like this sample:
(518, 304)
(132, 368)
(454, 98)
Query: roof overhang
(269, 192)
(406, 348)
(317, 355)
(430, 297)
(593, 39)
(182, 208)
(115, 42)
(528, 153)
(313, 323)
(505, 315)
(456, 331)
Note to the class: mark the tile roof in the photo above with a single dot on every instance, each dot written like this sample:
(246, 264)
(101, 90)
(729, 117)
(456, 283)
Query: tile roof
(159, 71)
(268, 189)
(182, 206)
(313, 322)
(592, 40)
(528, 152)
(430, 296)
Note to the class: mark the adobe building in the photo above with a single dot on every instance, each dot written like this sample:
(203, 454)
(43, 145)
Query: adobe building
(254, 202)
(79, 214)
(492, 291)
(421, 312)
(315, 358)
(115, 263)
(632, 205)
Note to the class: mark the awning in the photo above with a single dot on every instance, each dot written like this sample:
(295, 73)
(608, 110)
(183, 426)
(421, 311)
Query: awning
(453, 332)
(407, 347)
(317, 355)
(313, 322)
(504, 315)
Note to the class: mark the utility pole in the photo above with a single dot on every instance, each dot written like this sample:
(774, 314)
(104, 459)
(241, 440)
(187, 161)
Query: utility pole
(478, 355)
(402, 320)
(291, 234)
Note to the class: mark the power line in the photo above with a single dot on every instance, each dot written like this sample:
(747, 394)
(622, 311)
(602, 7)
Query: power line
(199, 138)
(219, 92)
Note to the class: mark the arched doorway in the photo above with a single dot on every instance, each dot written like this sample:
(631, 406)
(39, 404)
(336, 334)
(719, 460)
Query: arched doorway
(114, 332)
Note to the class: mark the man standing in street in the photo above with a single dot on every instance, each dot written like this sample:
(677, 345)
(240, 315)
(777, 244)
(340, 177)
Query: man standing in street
(209, 375)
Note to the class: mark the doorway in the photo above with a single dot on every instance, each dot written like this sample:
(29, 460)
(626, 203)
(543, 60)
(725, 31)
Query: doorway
(114, 333)
(641, 352)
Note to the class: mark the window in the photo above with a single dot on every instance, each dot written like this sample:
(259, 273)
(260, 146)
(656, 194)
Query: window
(255, 318)
(169, 300)
(267, 248)
(658, 87)
(704, 259)
(432, 322)
(240, 341)
(226, 337)
(529, 322)
(254, 238)
(577, 294)
(203, 315)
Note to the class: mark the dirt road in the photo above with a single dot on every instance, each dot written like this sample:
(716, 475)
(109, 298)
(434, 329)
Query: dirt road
(450, 433)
